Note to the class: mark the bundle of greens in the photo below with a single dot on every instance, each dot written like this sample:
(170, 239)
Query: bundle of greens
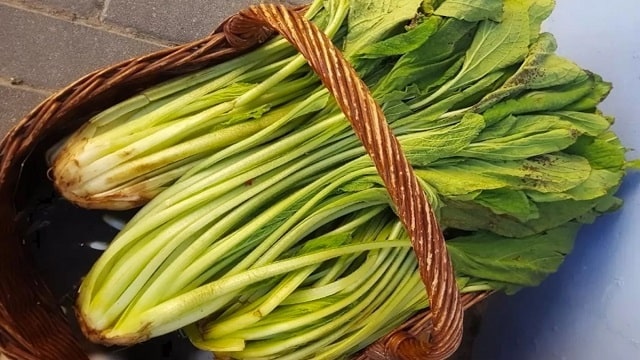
(124, 156)
(283, 244)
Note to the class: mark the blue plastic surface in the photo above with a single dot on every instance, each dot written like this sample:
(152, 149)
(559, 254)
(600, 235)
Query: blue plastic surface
(590, 309)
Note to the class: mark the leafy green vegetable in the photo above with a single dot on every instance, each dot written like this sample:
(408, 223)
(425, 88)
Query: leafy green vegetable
(471, 10)
(372, 20)
(520, 261)
(280, 241)
(496, 45)
(402, 43)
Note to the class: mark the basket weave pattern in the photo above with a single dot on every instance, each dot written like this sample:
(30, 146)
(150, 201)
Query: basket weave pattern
(31, 325)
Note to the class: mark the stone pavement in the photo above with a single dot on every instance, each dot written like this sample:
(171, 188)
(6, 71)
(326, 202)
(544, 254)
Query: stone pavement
(46, 44)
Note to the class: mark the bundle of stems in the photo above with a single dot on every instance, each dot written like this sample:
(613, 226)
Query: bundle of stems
(283, 243)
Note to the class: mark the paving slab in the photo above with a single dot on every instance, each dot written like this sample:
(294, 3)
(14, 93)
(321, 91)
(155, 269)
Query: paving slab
(177, 21)
(48, 53)
(84, 8)
(16, 102)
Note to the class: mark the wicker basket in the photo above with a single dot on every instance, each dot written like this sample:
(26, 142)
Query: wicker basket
(31, 323)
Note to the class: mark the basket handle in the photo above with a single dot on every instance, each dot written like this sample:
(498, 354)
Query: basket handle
(368, 121)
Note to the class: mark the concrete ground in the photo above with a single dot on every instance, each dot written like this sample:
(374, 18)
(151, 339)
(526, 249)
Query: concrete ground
(46, 44)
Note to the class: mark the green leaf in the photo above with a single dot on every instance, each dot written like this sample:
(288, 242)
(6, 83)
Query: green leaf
(540, 69)
(499, 129)
(552, 99)
(520, 130)
(471, 10)
(425, 147)
(539, 10)
(461, 98)
(590, 102)
(434, 112)
(371, 20)
(394, 103)
(520, 261)
(633, 164)
(496, 45)
(402, 43)
(509, 202)
(608, 204)
(599, 184)
(587, 123)
(547, 70)
(429, 62)
(547, 173)
(558, 212)
(517, 147)
(604, 152)
(523, 126)
(470, 216)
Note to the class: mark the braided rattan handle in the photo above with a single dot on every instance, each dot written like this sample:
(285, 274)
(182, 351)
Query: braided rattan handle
(367, 119)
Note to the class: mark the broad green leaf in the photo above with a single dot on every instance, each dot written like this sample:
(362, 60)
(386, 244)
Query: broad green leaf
(396, 109)
(552, 70)
(541, 69)
(496, 45)
(402, 43)
(471, 10)
(521, 261)
(608, 204)
(527, 125)
(588, 123)
(426, 147)
(470, 216)
(556, 213)
(599, 183)
(523, 126)
(591, 101)
(510, 202)
(539, 10)
(604, 205)
(394, 103)
(551, 99)
(518, 147)
(465, 197)
(499, 129)
(455, 100)
(461, 98)
(547, 173)
(429, 62)
(371, 20)
(435, 75)
(604, 152)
